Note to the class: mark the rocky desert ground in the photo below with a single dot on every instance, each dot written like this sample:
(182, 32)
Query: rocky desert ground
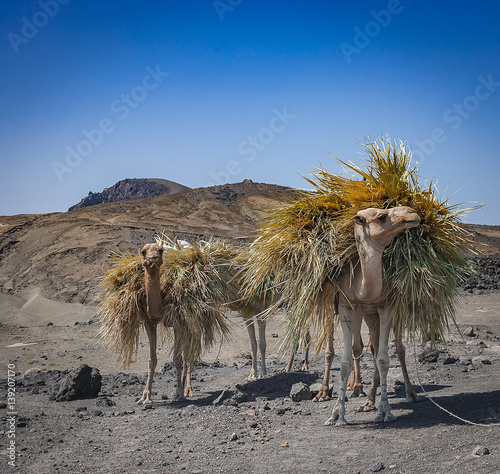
(49, 267)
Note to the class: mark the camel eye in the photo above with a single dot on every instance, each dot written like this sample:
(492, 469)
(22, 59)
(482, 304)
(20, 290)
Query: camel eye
(382, 217)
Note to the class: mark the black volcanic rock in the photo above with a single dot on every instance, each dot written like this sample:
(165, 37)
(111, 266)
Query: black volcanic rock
(128, 189)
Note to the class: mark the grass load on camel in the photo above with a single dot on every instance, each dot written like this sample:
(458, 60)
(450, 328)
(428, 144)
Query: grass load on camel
(195, 281)
(306, 245)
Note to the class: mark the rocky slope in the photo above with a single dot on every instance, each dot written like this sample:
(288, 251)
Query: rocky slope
(129, 189)
(61, 255)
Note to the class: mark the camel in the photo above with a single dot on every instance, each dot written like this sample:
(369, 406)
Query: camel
(252, 314)
(152, 259)
(361, 293)
(306, 342)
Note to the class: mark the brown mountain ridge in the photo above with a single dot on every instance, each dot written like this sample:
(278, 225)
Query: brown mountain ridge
(61, 255)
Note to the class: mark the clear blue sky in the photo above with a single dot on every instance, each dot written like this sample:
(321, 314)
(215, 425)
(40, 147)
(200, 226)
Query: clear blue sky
(205, 92)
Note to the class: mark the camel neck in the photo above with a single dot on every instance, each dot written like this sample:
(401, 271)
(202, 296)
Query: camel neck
(370, 260)
(153, 291)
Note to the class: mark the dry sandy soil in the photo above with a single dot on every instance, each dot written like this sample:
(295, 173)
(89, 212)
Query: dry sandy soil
(267, 433)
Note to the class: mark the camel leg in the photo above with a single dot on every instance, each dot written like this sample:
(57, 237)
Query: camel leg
(178, 395)
(151, 333)
(253, 344)
(288, 367)
(324, 391)
(351, 325)
(261, 323)
(186, 380)
(355, 379)
(307, 342)
(372, 321)
(384, 409)
(411, 395)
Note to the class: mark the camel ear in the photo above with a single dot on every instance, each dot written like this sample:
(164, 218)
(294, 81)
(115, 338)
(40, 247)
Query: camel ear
(141, 252)
(358, 219)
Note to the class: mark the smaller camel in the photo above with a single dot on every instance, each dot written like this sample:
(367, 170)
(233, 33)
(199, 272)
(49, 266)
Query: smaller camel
(361, 293)
(252, 314)
(152, 259)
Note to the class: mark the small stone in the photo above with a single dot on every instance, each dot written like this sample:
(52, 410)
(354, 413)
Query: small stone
(300, 391)
(465, 360)
(469, 332)
(429, 355)
(285, 445)
(480, 451)
(253, 424)
(481, 360)
(448, 360)
(233, 437)
(378, 467)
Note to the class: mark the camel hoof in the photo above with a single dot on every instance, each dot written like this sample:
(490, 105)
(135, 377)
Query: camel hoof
(390, 417)
(367, 406)
(341, 422)
(322, 398)
(412, 399)
(330, 422)
(144, 402)
(384, 418)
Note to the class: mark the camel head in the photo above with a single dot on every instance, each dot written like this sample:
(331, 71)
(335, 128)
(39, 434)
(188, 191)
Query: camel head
(380, 226)
(151, 255)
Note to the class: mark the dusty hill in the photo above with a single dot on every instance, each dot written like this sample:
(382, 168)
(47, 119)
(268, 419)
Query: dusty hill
(128, 189)
(60, 255)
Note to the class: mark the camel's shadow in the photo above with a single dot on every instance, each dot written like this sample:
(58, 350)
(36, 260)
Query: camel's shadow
(272, 387)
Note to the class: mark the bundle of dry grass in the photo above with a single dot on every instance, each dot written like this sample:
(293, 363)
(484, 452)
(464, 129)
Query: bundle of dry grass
(307, 244)
(195, 282)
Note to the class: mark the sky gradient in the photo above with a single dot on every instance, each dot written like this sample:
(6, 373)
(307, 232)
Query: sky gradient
(207, 92)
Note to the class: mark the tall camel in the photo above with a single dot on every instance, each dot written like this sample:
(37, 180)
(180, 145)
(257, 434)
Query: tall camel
(152, 259)
(361, 293)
